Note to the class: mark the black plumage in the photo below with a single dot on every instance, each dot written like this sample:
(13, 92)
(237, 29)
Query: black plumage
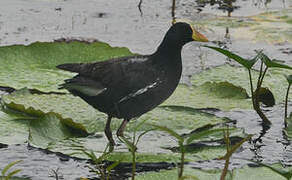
(128, 87)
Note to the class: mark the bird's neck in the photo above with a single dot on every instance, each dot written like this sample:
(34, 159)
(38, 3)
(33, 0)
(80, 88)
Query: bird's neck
(170, 47)
(169, 51)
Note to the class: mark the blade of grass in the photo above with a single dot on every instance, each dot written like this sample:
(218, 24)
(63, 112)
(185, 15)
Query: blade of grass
(6, 168)
(12, 173)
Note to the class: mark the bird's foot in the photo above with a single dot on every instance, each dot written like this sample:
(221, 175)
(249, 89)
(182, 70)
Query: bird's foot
(111, 145)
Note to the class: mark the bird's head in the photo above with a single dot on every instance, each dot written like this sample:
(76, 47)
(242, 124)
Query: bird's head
(183, 32)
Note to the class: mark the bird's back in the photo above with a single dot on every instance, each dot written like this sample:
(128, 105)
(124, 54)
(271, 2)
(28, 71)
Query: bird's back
(123, 87)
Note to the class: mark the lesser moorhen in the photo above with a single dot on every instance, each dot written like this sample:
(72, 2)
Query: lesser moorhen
(128, 87)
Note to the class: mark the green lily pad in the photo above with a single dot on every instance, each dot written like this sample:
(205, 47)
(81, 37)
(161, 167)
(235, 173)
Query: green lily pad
(172, 174)
(72, 111)
(179, 118)
(77, 114)
(33, 66)
(238, 77)
(13, 128)
(254, 173)
(47, 129)
(271, 27)
(221, 95)
(246, 172)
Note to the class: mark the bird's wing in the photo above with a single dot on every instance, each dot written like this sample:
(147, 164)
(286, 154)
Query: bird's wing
(128, 73)
(79, 84)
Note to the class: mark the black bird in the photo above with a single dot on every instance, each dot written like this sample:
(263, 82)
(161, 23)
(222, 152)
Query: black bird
(128, 87)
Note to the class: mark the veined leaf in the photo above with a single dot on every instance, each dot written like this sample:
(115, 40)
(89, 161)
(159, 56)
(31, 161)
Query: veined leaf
(273, 63)
(169, 131)
(199, 135)
(246, 63)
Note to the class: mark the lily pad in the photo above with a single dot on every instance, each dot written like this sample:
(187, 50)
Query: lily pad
(272, 27)
(238, 77)
(76, 113)
(51, 118)
(33, 66)
(14, 127)
(172, 174)
(47, 129)
(246, 172)
(72, 111)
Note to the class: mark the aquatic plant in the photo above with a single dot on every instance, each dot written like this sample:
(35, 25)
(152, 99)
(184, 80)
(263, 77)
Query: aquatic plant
(229, 151)
(132, 145)
(7, 175)
(100, 169)
(260, 94)
(183, 141)
(284, 173)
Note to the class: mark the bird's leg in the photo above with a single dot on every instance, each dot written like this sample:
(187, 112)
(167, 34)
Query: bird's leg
(120, 131)
(120, 134)
(108, 131)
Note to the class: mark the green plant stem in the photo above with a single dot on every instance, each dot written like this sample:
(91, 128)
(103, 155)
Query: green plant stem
(260, 75)
(133, 150)
(251, 88)
(228, 149)
(182, 161)
(262, 78)
(286, 105)
(257, 108)
(133, 164)
(225, 170)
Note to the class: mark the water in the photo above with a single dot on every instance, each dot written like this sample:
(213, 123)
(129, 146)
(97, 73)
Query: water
(120, 24)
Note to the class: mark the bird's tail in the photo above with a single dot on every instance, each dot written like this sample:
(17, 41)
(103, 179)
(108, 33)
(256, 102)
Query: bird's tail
(73, 67)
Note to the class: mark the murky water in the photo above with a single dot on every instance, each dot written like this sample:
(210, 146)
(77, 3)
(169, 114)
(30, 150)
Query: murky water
(120, 24)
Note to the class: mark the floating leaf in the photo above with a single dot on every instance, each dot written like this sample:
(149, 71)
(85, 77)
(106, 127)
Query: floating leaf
(33, 66)
(47, 129)
(14, 127)
(71, 110)
(285, 173)
(196, 136)
(238, 77)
